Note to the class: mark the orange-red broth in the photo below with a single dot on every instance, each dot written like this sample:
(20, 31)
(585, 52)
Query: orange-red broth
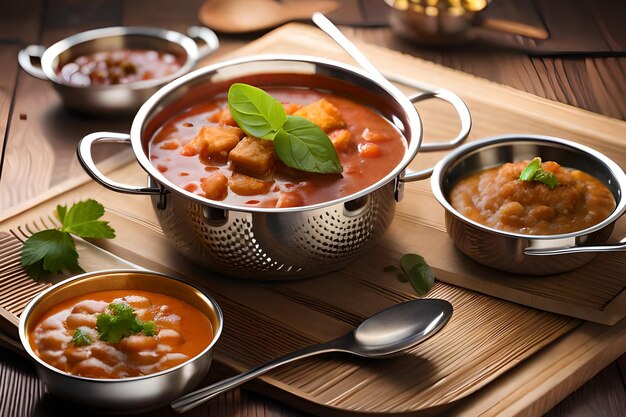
(182, 333)
(375, 149)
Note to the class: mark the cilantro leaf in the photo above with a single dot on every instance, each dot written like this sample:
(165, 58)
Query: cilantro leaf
(81, 337)
(52, 249)
(547, 178)
(414, 270)
(534, 172)
(82, 220)
(149, 328)
(531, 169)
(121, 322)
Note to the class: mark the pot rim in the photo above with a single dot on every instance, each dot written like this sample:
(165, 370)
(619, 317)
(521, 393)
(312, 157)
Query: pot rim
(52, 52)
(413, 143)
(617, 172)
(31, 305)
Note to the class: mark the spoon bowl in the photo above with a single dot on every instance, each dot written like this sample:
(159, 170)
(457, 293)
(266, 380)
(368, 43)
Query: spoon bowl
(387, 333)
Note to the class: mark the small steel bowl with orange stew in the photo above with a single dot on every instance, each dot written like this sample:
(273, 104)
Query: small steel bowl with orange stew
(528, 250)
(142, 371)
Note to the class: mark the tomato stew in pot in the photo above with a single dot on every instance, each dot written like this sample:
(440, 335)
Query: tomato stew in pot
(203, 151)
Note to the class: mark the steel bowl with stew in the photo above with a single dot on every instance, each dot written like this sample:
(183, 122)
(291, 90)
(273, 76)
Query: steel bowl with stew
(128, 394)
(275, 243)
(522, 253)
(122, 98)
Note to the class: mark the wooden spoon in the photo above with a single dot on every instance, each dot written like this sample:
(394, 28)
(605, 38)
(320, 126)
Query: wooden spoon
(240, 16)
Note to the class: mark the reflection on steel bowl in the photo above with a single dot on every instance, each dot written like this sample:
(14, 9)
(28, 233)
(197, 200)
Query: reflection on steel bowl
(118, 371)
(514, 251)
(103, 99)
(273, 242)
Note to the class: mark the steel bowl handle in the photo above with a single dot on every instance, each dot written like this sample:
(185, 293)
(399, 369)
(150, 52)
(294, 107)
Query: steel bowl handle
(25, 58)
(616, 247)
(85, 158)
(209, 39)
(428, 92)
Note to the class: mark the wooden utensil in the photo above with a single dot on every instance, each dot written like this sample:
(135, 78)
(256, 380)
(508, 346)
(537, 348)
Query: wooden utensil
(252, 15)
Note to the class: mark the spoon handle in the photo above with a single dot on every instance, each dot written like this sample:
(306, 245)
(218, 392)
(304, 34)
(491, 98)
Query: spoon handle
(195, 398)
(331, 30)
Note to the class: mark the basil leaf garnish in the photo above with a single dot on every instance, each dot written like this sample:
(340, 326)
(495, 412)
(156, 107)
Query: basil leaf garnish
(531, 169)
(256, 112)
(301, 144)
(298, 142)
(547, 178)
(414, 270)
(533, 172)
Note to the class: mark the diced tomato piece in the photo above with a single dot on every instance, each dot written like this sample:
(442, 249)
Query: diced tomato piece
(369, 150)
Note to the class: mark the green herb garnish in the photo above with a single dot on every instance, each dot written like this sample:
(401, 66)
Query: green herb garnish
(121, 322)
(415, 270)
(54, 250)
(533, 172)
(81, 337)
(299, 143)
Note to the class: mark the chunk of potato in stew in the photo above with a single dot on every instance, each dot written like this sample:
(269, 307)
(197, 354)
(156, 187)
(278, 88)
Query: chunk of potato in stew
(202, 151)
(68, 337)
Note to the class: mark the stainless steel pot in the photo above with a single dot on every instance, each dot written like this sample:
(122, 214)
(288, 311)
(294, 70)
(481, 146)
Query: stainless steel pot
(274, 243)
(128, 394)
(526, 254)
(116, 99)
(450, 22)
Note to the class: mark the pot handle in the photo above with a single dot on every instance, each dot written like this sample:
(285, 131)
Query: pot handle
(85, 158)
(208, 38)
(616, 247)
(25, 58)
(428, 92)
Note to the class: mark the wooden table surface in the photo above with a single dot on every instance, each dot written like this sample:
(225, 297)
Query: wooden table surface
(40, 137)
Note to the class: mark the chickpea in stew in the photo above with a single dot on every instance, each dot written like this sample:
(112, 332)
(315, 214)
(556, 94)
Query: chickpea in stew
(498, 198)
(118, 334)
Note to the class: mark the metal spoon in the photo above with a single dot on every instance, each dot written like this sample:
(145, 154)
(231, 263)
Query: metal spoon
(388, 332)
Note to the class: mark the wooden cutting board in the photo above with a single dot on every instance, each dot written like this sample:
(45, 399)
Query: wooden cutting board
(465, 366)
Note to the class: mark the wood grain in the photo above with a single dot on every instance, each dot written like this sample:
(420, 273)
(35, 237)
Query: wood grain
(23, 20)
(304, 312)
(590, 83)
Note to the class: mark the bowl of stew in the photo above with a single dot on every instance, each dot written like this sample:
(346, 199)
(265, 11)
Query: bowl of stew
(113, 71)
(121, 340)
(530, 227)
(223, 199)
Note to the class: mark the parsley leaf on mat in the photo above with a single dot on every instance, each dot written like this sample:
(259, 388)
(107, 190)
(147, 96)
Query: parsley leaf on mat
(53, 250)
